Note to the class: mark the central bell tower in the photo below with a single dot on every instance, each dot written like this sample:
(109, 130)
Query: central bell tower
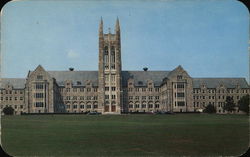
(109, 73)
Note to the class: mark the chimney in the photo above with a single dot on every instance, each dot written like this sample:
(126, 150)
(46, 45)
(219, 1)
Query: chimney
(71, 69)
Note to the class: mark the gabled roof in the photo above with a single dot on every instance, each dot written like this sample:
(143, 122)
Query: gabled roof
(216, 82)
(75, 76)
(17, 83)
(141, 77)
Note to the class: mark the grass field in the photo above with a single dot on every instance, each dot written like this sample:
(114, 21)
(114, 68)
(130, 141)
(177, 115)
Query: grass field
(125, 135)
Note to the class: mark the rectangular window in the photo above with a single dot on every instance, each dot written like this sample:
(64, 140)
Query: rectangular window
(38, 104)
(95, 106)
(81, 97)
(180, 95)
(130, 97)
(106, 88)
(136, 97)
(143, 97)
(150, 97)
(38, 95)
(81, 106)
(74, 106)
(74, 89)
(181, 103)
(113, 88)
(180, 85)
(106, 96)
(88, 89)
(88, 106)
(74, 98)
(88, 97)
(39, 77)
(81, 89)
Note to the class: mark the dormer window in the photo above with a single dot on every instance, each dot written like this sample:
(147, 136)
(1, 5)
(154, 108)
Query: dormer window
(39, 77)
(78, 83)
(140, 82)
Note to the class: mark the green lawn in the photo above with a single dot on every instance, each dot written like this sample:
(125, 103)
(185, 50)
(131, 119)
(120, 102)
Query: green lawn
(125, 135)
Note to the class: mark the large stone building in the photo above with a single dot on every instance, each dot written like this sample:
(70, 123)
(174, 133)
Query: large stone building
(111, 90)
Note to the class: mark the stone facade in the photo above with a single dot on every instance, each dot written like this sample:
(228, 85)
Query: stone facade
(113, 91)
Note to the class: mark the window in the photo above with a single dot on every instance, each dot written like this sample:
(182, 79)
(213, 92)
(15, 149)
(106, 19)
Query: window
(137, 89)
(130, 97)
(130, 89)
(81, 106)
(150, 105)
(113, 88)
(130, 106)
(180, 95)
(10, 98)
(95, 106)
(143, 97)
(74, 106)
(81, 97)
(150, 97)
(21, 106)
(1, 98)
(39, 77)
(143, 105)
(136, 97)
(179, 77)
(38, 104)
(106, 96)
(81, 89)
(137, 105)
(113, 97)
(157, 89)
(21, 92)
(95, 97)
(67, 89)
(180, 85)
(95, 89)
(106, 88)
(74, 89)
(88, 97)
(157, 105)
(181, 103)
(21, 98)
(144, 89)
(88, 89)
(68, 106)
(88, 106)
(10, 92)
(38, 95)
(74, 98)
(150, 89)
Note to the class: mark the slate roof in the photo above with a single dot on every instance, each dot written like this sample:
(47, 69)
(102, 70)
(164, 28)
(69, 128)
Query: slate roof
(141, 77)
(17, 83)
(75, 76)
(215, 82)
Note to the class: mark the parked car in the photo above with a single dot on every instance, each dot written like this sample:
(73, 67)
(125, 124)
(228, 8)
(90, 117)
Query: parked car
(93, 113)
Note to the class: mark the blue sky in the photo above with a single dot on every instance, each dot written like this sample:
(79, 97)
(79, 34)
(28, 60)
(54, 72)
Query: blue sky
(209, 38)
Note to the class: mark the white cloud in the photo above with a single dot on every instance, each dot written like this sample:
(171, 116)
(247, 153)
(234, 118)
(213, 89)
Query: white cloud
(72, 54)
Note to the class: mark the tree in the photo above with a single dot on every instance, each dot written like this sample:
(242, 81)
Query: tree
(244, 103)
(8, 110)
(210, 109)
(229, 104)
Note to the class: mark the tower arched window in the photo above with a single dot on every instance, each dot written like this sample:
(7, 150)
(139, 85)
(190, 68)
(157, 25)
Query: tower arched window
(106, 57)
(112, 57)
